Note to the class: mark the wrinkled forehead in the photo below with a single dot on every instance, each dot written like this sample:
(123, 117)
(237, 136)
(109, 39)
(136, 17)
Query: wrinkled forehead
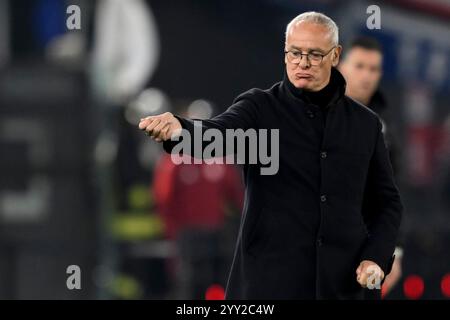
(307, 35)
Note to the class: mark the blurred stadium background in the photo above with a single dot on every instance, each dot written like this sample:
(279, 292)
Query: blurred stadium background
(80, 185)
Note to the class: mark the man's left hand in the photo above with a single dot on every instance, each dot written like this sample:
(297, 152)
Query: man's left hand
(369, 274)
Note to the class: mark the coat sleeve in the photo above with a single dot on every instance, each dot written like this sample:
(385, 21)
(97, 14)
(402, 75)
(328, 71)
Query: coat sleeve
(242, 114)
(383, 207)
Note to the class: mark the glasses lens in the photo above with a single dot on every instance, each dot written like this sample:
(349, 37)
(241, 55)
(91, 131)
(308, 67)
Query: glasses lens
(296, 57)
(315, 59)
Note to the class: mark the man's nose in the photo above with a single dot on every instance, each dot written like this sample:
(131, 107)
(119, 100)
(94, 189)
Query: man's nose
(304, 63)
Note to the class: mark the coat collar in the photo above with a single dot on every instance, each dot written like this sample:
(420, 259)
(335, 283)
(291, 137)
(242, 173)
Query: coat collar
(336, 79)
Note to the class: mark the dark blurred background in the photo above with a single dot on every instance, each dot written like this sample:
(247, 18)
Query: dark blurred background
(81, 185)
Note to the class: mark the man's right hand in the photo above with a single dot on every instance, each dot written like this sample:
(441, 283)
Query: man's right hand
(161, 127)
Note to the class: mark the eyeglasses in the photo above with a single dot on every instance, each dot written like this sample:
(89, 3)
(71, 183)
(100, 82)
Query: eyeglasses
(314, 58)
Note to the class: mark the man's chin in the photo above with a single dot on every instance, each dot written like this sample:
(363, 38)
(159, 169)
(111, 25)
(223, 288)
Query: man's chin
(303, 84)
(363, 96)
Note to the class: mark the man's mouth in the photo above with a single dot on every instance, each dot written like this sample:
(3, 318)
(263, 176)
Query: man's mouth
(304, 76)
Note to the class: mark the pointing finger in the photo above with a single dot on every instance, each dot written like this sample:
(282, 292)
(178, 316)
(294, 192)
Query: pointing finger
(144, 123)
(152, 125)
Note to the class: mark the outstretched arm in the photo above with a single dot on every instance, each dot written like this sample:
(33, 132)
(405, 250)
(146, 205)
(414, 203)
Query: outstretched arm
(242, 114)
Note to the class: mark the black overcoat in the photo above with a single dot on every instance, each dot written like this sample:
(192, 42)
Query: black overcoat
(332, 203)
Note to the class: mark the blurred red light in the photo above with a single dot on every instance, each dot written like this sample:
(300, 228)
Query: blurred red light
(413, 287)
(445, 285)
(215, 292)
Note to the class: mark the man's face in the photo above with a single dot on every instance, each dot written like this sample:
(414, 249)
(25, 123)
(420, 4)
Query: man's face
(307, 37)
(362, 71)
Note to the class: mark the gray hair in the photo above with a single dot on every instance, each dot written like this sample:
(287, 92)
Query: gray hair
(317, 18)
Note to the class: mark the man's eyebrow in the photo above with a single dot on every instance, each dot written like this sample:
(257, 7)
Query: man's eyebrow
(309, 50)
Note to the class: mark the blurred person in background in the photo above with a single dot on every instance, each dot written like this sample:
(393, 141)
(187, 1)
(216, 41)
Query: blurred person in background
(362, 68)
(125, 54)
(124, 57)
(302, 234)
(126, 49)
(193, 201)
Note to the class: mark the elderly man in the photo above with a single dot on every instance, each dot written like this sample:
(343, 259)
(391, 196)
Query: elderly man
(325, 225)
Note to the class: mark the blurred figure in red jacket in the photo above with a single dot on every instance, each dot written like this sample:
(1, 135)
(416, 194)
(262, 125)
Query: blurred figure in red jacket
(193, 201)
(195, 196)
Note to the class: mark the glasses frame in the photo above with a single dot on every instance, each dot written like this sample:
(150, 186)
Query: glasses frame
(308, 56)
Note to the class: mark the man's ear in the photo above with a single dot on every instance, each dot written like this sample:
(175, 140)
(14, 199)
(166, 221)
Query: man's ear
(285, 57)
(336, 55)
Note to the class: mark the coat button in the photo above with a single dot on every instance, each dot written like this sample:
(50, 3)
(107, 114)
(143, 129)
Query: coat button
(323, 154)
(323, 198)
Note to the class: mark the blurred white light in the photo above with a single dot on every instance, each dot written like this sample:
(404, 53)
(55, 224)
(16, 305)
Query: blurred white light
(200, 109)
(150, 101)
